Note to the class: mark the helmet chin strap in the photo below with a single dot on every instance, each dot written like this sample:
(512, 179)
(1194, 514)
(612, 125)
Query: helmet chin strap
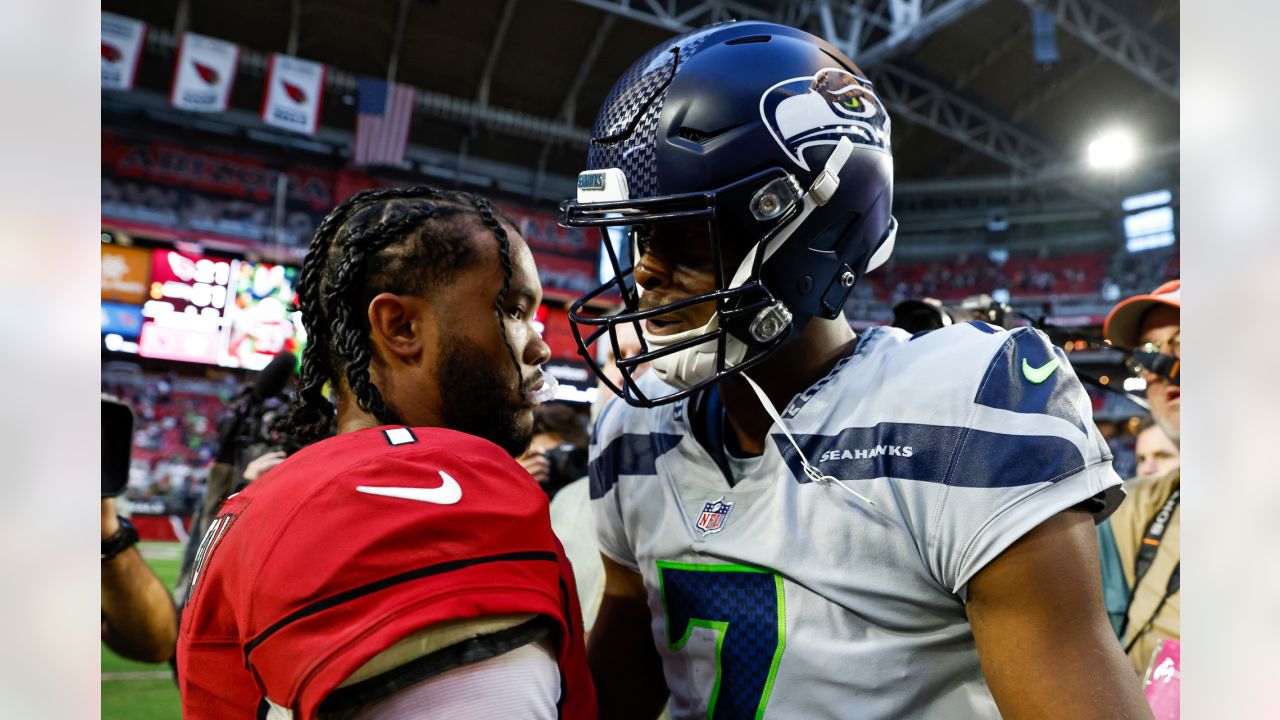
(695, 364)
(809, 470)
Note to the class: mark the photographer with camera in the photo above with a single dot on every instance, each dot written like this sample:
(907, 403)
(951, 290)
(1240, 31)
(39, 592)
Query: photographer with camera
(557, 454)
(1141, 551)
(139, 620)
(246, 450)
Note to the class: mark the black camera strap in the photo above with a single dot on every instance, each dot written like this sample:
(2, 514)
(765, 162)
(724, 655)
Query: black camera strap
(1170, 588)
(1147, 549)
(1151, 540)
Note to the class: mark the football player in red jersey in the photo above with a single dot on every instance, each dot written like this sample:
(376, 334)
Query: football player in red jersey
(404, 567)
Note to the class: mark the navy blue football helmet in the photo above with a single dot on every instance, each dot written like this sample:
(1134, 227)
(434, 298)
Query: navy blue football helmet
(778, 143)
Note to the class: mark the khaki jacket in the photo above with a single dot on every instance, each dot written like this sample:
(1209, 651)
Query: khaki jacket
(1129, 523)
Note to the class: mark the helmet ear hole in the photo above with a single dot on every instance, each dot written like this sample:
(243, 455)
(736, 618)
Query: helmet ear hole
(836, 233)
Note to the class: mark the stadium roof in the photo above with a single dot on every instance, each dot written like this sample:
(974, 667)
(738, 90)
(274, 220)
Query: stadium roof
(977, 122)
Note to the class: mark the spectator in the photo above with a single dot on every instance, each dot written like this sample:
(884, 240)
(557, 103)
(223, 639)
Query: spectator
(261, 464)
(1156, 453)
(1141, 558)
(558, 450)
(571, 507)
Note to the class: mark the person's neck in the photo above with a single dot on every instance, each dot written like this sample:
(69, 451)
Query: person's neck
(352, 417)
(791, 369)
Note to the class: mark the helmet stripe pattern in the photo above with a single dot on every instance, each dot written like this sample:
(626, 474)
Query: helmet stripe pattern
(621, 140)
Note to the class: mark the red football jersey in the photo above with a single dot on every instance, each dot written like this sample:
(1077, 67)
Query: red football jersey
(354, 543)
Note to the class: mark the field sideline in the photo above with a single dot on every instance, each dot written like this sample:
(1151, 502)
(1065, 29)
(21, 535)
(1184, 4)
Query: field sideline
(143, 691)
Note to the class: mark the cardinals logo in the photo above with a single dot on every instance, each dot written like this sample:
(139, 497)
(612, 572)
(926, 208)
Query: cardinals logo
(183, 267)
(294, 92)
(111, 53)
(206, 73)
(807, 112)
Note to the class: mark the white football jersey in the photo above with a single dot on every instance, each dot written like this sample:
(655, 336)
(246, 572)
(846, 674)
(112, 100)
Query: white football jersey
(780, 597)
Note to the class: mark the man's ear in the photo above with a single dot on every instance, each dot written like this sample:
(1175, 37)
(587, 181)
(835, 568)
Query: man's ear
(401, 325)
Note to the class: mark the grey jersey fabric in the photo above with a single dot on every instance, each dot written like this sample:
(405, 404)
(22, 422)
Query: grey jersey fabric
(801, 600)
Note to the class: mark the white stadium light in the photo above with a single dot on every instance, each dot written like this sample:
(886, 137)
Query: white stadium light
(1146, 200)
(1111, 151)
(1150, 221)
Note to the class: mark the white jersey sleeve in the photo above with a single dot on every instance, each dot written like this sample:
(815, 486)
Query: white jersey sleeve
(1027, 450)
(608, 441)
(970, 436)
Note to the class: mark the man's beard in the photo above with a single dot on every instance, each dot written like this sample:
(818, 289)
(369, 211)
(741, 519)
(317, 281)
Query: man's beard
(477, 397)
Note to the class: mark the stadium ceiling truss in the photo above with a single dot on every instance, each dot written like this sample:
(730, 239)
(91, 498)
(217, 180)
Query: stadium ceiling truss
(1109, 33)
(872, 31)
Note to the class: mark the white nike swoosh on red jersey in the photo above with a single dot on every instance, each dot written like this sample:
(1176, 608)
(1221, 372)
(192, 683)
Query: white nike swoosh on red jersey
(448, 493)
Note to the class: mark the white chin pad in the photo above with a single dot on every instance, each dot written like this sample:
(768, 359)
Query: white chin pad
(690, 366)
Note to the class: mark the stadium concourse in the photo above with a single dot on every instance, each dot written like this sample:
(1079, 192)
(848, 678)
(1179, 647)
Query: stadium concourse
(1035, 151)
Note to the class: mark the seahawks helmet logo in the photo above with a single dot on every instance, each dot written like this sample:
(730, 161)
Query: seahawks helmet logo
(805, 112)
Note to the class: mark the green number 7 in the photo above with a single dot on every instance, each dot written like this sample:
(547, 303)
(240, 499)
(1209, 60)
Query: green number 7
(745, 608)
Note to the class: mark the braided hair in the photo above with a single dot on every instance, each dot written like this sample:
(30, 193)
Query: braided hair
(407, 240)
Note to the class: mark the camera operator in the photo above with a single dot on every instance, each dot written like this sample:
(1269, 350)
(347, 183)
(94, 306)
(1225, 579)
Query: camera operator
(557, 454)
(1141, 553)
(139, 620)
(921, 315)
(247, 449)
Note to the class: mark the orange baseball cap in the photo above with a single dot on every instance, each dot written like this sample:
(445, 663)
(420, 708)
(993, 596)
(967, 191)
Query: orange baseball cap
(1125, 319)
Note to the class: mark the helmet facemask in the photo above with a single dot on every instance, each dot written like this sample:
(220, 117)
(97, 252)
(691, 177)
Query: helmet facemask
(724, 344)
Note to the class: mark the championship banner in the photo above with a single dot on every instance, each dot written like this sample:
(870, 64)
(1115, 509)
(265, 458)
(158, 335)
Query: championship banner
(204, 73)
(121, 47)
(294, 90)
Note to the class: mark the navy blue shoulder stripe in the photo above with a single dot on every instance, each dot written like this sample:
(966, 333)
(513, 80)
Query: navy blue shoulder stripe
(1029, 375)
(944, 454)
(628, 454)
(987, 328)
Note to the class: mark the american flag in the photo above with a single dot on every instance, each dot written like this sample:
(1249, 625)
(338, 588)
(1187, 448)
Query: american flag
(383, 111)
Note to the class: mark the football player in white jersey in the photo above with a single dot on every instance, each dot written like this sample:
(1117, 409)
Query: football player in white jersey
(797, 522)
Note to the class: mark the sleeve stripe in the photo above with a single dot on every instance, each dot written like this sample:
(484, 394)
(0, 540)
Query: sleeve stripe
(628, 454)
(944, 454)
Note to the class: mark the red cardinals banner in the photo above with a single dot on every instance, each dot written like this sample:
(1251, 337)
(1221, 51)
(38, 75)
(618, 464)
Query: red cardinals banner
(204, 73)
(292, 97)
(121, 47)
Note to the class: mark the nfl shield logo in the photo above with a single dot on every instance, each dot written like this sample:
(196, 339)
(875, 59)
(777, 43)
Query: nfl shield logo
(713, 516)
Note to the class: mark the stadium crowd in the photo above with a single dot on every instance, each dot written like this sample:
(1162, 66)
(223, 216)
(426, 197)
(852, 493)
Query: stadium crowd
(1104, 276)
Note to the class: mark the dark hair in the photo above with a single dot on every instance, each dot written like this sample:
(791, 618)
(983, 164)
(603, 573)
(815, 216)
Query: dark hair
(406, 240)
(1145, 424)
(562, 420)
